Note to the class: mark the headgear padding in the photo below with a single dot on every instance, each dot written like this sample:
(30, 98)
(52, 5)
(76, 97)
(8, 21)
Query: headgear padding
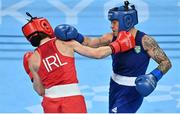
(37, 25)
(126, 16)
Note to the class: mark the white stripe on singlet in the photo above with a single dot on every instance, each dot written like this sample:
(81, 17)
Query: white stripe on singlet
(124, 80)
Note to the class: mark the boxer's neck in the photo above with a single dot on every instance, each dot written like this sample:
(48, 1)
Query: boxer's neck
(43, 41)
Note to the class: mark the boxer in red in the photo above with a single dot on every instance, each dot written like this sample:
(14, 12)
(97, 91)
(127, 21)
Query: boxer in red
(52, 65)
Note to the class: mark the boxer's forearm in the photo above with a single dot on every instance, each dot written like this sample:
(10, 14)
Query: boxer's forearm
(162, 59)
(97, 53)
(98, 42)
(92, 42)
(157, 54)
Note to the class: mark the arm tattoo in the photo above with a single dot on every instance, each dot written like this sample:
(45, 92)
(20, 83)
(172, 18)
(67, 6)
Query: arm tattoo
(156, 53)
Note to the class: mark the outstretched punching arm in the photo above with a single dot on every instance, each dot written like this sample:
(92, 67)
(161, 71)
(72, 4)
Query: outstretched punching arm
(96, 53)
(104, 40)
(124, 42)
(67, 32)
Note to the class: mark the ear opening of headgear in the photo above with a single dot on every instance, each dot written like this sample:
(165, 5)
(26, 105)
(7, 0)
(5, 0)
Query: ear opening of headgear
(35, 26)
(126, 15)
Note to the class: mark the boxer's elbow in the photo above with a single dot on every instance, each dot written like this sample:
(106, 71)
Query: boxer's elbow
(40, 91)
(165, 66)
(169, 64)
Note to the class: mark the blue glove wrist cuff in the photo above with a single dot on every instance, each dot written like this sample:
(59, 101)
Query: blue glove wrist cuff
(157, 73)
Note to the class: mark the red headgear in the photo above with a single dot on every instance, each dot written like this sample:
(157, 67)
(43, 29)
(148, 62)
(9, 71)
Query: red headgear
(36, 25)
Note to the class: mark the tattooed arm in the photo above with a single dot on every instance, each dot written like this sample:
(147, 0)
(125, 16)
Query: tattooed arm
(156, 53)
(145, 84)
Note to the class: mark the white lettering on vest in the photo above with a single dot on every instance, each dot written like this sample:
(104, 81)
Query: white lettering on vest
(55, 60)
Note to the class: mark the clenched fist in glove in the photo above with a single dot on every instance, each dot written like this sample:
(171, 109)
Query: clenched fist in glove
(124, 42)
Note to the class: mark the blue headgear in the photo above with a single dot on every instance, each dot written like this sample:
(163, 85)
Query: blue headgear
(126, 16)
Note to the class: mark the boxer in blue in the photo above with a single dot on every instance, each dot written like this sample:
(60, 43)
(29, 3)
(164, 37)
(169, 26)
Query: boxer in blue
(129, 83)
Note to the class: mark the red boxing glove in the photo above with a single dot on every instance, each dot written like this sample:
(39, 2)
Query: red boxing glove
(27, 55)
(124, 42)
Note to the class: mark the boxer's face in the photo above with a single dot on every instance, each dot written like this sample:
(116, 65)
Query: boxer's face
(114, 27)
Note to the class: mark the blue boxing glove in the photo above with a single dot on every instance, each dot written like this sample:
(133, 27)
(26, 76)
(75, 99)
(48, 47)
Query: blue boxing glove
(67, 32)
(145, 84)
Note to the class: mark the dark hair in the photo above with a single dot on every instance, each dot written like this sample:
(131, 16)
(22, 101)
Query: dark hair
(35, 39)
